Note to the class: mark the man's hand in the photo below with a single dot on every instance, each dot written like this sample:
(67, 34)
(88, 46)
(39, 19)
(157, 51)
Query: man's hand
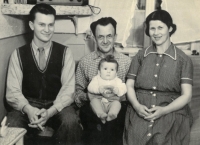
(31, 112)
(32, 115)
(44, 116)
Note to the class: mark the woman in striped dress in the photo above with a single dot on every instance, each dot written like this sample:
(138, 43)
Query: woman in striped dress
(159, 88)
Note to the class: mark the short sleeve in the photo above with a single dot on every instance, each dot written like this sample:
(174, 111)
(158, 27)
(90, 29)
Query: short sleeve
(135, 64)
(187, 72)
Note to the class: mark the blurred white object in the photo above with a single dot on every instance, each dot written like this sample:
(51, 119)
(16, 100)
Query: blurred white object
(4, 127)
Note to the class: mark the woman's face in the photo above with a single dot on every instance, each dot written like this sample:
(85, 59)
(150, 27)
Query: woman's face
(159, 32)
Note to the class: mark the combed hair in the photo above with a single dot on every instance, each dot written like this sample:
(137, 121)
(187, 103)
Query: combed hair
(110, 59)
(103, 21)
(41, 8)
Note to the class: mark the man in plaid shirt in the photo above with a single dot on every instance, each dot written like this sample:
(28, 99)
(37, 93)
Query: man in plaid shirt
(104, 31)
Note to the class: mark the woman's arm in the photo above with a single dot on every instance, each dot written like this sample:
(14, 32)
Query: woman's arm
(142, 110)
(180, 102)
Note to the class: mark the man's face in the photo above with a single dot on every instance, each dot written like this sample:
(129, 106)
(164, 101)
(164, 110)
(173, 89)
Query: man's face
(105, 38)
(108, 70)
(43, 27)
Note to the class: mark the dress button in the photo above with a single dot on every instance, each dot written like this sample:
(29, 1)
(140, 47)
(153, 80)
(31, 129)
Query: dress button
(154, 95)
(157, 64)
(160, 55)
(154, 87)
(149, 134)
(152, 121)
(156, 75)
(151, 92)
(153, 106)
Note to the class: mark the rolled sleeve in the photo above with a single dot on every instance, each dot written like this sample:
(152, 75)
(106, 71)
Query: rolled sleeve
(187, 72)
(135, 64)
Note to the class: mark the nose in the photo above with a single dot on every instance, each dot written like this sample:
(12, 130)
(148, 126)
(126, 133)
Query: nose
(105, 40)
(156, 31)
(46, 28)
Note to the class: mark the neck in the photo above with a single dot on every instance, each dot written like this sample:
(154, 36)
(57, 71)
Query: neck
(40, 43)
(107, 53)
(162, 48)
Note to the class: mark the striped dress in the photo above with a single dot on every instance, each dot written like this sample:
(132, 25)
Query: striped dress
(158, 80)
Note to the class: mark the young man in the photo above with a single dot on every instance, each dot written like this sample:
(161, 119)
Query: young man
(95, 132)
(41, 83)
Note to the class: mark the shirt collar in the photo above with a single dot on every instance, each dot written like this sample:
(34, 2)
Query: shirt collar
(171, 51)
(46, 48)
(98, 54)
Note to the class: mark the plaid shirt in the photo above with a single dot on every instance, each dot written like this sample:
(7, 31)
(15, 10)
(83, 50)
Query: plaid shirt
(88, 68)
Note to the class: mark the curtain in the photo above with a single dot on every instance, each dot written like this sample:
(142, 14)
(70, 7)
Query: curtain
(122, 11)
(186, 15)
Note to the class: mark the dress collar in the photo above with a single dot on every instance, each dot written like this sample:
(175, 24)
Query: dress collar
(171, 51)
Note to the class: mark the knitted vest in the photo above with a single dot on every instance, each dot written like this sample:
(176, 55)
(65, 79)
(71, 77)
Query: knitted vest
(41, 85)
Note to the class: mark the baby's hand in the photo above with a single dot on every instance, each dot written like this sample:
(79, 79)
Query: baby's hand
(107, 92)
(115, 90)
(101, 89)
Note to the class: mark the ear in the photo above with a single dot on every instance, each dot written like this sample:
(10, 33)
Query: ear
(115, 37)
(170, 29)
(31, 25)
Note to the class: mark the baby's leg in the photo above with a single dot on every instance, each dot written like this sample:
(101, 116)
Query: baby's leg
(114, 109)
(98, 109)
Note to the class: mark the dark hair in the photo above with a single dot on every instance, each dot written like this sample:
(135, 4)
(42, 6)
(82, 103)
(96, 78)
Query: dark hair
(41, 8)
(103, 21)
(160, 15)
(108, 58)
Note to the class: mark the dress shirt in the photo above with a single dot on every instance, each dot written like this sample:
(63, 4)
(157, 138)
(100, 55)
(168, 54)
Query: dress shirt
(64, 98)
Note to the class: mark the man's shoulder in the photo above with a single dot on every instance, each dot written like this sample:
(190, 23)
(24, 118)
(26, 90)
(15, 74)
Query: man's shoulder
(124, 57)
(88, 57)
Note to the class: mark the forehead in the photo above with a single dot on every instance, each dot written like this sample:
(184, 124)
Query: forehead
(49, 18)
(108, 64)
(156, 23)
(104, 30)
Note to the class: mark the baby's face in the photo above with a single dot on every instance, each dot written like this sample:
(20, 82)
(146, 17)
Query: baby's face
(108, 71)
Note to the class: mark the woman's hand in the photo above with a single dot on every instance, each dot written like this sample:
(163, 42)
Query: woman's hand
(156, 112)
(142, 110)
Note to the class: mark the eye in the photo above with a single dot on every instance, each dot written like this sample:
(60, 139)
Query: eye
(151, 28)
(109, 36)
(105, 68)
(100, 37)
(51, 25)
(160, 28)
(42, 24)
(112, 69)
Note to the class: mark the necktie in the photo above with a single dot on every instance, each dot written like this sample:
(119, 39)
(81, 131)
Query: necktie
(42, 61)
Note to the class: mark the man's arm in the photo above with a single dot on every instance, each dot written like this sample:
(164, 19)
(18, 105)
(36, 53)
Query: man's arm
(65, 96)
(81, 84)
(14, 95)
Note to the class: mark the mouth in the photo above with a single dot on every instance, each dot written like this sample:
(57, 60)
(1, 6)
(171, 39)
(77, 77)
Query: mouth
(47, 35)
(157, 38)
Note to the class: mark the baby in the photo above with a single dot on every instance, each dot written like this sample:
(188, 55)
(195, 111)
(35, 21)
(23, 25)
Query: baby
(107, 83)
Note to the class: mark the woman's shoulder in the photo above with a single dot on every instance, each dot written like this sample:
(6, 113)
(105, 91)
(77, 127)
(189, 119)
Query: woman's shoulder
(181, 55)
